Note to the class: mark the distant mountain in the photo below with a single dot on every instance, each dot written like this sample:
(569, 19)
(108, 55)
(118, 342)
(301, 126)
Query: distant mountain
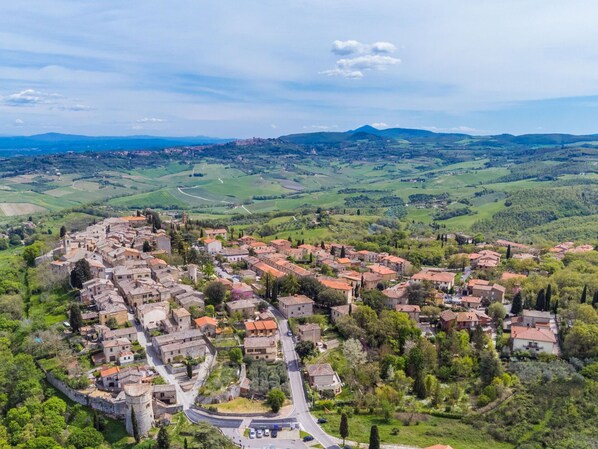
(421, 136)
(59, 143)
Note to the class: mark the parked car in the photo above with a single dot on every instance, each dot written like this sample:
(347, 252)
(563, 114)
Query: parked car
(307, 438)
(274, 433)
(266, 432)
(289, 333)
(259, 433)
(252, 433)
(322, 420)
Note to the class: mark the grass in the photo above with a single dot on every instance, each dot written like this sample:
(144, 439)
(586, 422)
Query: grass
(243, 405)
(433, 431)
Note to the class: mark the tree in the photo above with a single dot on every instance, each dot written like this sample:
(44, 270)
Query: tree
(582, 341)
(540, 300)
(189, 368)
(418, 293)
(354, 353)
(62, 231)
(163, 440)
(508, 252)
(344, 428)
(112, 323)
(147, 247)
(275, 399)
(85, 438)
(330, 298)
(235, 355)
(81, 273)
(374, 438)
(215, 292)
(517, 305)
(31, 252)
(343, 252)
(548, 298)
(584, 295)
(75, 317)
(595, 299)
(497, 311)
(134, 424)
(375, 299)
(490, 367)
(289, 284)
(305, 349)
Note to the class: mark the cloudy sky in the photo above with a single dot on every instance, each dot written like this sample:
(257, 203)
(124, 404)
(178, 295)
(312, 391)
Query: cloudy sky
(265, 68)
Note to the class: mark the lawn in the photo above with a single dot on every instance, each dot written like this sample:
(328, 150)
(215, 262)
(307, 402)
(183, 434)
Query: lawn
(243, 405)
(427, 433)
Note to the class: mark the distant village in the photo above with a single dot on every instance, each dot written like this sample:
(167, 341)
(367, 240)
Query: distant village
(153, 341)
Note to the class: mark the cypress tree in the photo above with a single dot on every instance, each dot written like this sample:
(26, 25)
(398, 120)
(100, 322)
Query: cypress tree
(344, 428)
(374, 438)
(517, 304)
(555, 308)
(508, 251)
(540, 300)
(595, 299)
(75, 317)
(189, 369)
(62, 231)
(185, 444)
(548, 297)
(163, 439)
(343, 253)
(584, 295)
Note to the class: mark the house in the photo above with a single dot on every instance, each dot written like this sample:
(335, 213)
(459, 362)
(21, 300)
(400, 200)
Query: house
(280, 245)
(126, 357)
(246, 240)
(180, 345)
(212, 246)
(489, 293)
(385, 273)
(395, 263)
(473, 302)
(309, 332)
(296, 306)
(113, 348)
(135, 221)
(165, 393)
(534, 339)
(213, 233)
(243, 306)
(412, 310)
(534, 318)
(459, 320)
(441, 279)
(207, 325)
(109, 378)
(261, 348)
(111, 306)
(323, 378)
(233, 255)
(340, 286)
(181, 319)
(262, 328)
(338, 312)
(151, 315)
(396, 295)
(258, 246)
(129, 333)
(485, 259)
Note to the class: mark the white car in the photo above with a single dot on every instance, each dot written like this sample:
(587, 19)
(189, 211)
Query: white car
(252, 433)
(259, 433)
(266, 432)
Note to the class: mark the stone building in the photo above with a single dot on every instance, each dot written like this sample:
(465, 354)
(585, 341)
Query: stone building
(138, 398)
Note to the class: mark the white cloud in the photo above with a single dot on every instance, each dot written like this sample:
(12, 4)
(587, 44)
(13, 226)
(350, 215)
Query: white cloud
(320, 127)
(19, 122)
(150, 120)
(364, 57)
(29, 97)
(136, 127)
(380, 125)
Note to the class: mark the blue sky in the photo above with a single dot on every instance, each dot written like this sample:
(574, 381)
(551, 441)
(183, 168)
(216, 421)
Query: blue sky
(266, 68)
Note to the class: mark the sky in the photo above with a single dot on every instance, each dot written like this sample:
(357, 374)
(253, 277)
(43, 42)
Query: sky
(267, 68)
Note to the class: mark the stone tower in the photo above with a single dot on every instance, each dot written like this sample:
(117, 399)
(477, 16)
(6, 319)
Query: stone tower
(138, 397)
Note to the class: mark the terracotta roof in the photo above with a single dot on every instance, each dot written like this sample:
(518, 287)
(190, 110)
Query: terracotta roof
(260, 325)
(134, 218)
(335, 284)
(434, 276)
(407, 308)
(295, 300)
(319, 369)
(109, 371)
(199, 322)
(533, 334)
(473, 282)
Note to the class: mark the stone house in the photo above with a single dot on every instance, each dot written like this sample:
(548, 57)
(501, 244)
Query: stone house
(261, 348)
(309, 332)
(296, 306)
(323, 378)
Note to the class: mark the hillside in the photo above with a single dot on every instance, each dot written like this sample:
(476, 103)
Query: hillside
(491, 184)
